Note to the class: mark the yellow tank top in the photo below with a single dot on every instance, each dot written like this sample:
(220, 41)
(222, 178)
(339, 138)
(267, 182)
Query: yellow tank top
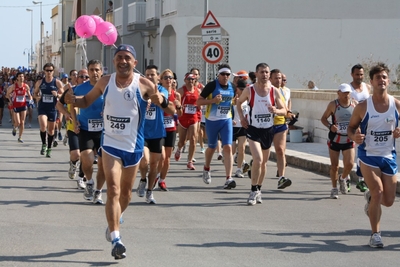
(70, 125)
(279, 120)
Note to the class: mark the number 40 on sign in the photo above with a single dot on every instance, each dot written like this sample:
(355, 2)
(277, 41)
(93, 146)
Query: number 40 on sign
(212, 53)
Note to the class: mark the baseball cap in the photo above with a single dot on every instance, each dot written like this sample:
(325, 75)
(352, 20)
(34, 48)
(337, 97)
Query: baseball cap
(345, 88)
(242, 73)
(126, 47)
(64, 76)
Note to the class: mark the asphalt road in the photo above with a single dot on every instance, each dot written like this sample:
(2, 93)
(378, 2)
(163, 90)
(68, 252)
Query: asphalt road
(44, 220)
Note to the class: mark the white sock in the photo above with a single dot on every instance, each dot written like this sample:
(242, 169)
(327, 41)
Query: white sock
(90, 181)
(360, 179)
(114, 235)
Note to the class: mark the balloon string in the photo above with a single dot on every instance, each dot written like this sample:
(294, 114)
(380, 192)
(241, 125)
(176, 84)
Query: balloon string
(84, 51)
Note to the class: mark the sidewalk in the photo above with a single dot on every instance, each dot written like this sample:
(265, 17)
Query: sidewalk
(314, 157)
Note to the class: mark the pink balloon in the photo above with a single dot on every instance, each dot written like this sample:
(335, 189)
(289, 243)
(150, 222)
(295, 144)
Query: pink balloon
(107, 33)
(97, 20)
(85, 26)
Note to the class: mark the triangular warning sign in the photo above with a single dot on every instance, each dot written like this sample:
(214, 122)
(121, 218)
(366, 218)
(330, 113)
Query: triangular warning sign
(210, 21)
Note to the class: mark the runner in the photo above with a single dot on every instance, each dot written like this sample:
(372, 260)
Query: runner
(124, 112)
(18, 92)
(46, 92)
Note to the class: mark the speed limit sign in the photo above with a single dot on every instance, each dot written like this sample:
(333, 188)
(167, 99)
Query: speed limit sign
(212, 53)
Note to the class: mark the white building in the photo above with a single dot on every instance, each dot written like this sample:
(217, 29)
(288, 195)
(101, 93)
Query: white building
(307, 39)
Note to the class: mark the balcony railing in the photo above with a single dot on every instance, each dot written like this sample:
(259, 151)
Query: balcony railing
(118, 17)
(137, 13)
(153, 10)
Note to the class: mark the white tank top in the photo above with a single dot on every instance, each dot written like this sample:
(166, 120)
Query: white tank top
(124, 111)
(359, 96)
(259, 115)
(378, 128)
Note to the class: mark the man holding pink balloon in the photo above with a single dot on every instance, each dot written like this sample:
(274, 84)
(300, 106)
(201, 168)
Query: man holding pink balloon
(87, 26)
(125, 101)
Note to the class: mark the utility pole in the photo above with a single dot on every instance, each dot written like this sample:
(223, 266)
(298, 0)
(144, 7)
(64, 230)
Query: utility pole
(41, 36)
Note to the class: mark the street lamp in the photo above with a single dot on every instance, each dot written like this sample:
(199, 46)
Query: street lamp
(31, 10)
(41, 35)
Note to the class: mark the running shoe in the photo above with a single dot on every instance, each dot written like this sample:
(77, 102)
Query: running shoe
(190, 166)
(259, 197)
(348, 184)
(367, 197)
(206, 177)
(239, 173)
(251, 201)
(14, 131)
(162, 185)
(60, 138)
(48, 153)
(20, 140)
(362, 186)
(376, 240)
(72, 170)
(65, 140)
(29, 125)
(97, 198)
(245, 167)
(118, 249)
(150, 198)
(335, 193)
(219, 157)
(55, 143)
(202, 150)
(88, 193)
(229, 183)
(177, 155)
(81, 183)
(342, 185)
(141, 190)
(284, 182)
(193, 160)
(95, 159)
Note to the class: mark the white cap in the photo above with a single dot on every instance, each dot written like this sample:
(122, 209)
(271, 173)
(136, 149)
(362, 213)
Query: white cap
(345, 88)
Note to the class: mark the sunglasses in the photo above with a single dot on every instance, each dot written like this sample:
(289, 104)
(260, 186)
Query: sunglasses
(48, 70)
(284, 80)
(225, 74)
(168, 77)
(83, 77)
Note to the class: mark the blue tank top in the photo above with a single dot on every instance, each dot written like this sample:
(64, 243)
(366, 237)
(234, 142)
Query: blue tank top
(48, 100)
(154, 119)
(90, 118)
(221, 111)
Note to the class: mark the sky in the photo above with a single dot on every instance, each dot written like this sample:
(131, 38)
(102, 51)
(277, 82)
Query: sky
(16, 29)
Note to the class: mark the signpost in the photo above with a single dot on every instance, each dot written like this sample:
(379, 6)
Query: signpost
(211, 29)
(212, 53)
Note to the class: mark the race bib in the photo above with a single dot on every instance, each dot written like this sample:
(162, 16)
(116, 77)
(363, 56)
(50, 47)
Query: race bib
(169, 122)
(151, 113)
(190, 109)
(342, 128)
(223, 111)
(118, 125)
(47, 98)
(95, 125)
(20, 98)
